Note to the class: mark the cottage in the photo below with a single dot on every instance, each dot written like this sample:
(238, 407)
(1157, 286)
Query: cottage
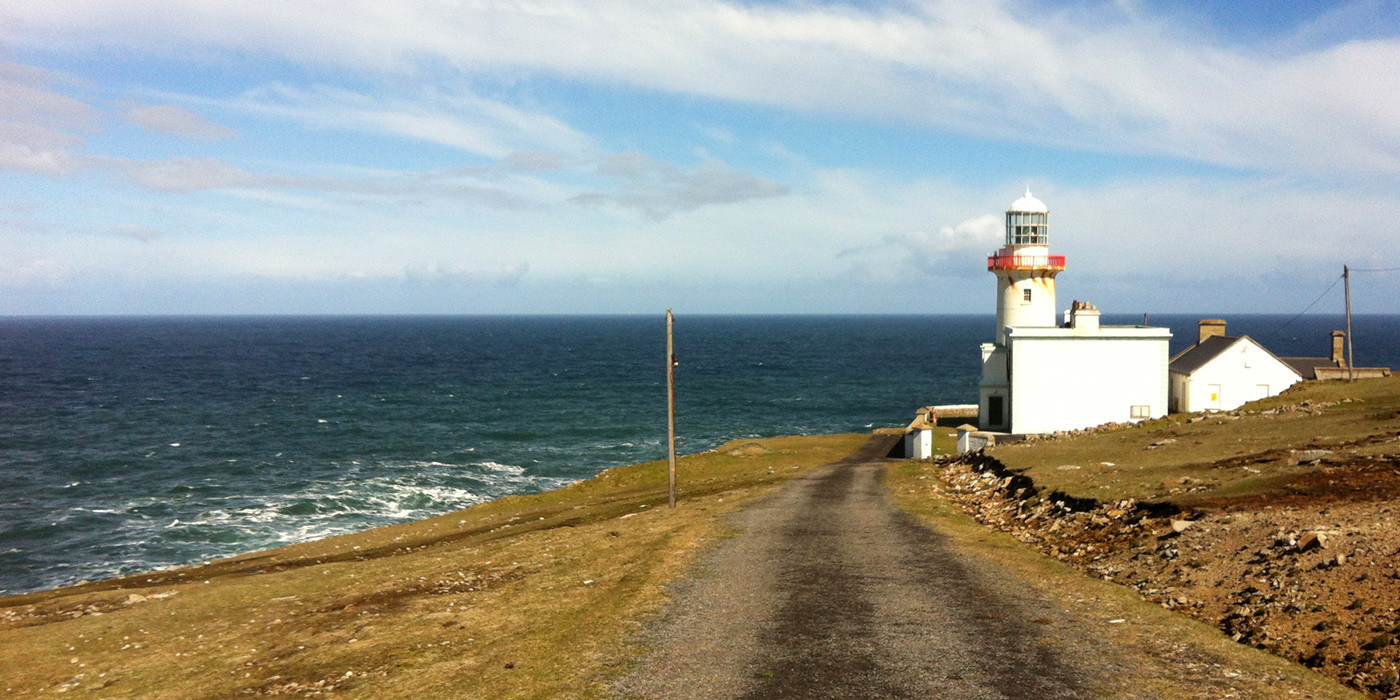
(1222, 372)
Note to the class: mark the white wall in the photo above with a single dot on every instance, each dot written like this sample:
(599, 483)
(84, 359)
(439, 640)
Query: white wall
(993, 383)
(1244, 372)
(918, 444)
(1063, 380)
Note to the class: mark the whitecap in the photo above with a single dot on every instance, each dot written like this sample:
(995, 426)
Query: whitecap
(498, 467)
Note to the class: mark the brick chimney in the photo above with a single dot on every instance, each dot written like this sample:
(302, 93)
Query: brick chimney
(1339, 348)
(1210, 327)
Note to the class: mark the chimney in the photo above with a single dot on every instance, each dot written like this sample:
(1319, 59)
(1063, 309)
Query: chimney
(1339, 348)
(1210, 327)
(1084, 316)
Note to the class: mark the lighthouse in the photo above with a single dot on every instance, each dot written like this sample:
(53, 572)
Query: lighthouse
(1041, 376)
(1025, 269)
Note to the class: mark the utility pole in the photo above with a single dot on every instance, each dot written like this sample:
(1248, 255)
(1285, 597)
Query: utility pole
(670, 409)
(1351, 366)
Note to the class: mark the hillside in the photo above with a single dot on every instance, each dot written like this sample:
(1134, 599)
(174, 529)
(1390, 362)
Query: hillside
(531, 596)
(1275, 522)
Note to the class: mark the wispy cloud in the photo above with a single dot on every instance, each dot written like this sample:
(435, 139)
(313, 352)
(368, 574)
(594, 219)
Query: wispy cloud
(1098, 78)
(176, 120)
(659, 189)
(458, 120)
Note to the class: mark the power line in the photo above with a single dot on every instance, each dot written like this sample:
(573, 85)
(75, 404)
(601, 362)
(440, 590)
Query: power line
(1285, 324)
(1381, 269)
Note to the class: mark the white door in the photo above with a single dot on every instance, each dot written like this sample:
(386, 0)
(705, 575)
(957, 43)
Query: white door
(1213, 401)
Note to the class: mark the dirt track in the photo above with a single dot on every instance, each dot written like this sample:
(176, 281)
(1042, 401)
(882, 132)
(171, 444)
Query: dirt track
(832, 593)
(829, 591)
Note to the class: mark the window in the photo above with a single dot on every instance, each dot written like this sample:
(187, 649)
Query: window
(1141, 411)
(1025, 296)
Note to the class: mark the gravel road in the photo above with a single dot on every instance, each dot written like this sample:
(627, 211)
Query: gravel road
(830, 592)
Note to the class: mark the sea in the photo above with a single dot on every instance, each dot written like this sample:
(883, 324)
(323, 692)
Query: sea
(136, 444)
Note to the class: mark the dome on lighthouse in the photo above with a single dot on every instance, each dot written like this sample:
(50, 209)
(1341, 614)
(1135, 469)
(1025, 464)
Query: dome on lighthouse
(1029, 204)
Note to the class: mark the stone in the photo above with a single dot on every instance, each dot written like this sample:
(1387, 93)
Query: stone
(1309, 456)
(1312, 540)
(1180, 526)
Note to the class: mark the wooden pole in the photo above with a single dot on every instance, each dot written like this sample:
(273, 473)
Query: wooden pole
(670, 410)
(1351, 366)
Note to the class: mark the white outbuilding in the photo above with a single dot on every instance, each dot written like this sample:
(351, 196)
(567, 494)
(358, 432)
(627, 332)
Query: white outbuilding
(1222, 373)
(1041, 376)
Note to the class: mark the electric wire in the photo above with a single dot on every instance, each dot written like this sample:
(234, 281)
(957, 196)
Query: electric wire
(1285, 324)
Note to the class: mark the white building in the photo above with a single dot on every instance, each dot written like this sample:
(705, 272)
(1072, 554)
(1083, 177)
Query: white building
(1221, 372)
(1041, 377)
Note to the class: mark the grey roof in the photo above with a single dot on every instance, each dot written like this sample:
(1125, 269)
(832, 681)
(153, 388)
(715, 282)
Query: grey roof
(1196, 356)
(1307, 366)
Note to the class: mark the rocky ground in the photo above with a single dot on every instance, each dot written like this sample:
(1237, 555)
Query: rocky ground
(1307, 571)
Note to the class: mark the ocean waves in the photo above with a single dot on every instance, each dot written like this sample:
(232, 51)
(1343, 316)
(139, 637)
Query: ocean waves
(194, 523)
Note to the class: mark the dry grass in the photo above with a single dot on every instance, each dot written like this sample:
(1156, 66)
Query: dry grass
(524, 597)
(1230, 454)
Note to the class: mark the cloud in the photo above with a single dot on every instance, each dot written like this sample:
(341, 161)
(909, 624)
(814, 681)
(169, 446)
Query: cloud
(28, 99)
(659, 189)
(144, 234)
(458, 120)
(1107, 77)
(36, 122)
(172, 119)
(914, 256)
(34, 149)
(184, 174)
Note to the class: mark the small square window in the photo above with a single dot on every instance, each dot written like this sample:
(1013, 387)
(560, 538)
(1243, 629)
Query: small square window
(1026, 296)
(1141, 411)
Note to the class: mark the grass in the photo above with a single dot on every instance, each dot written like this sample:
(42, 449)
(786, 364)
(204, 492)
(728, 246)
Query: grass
(525, 597)
(1222, 454)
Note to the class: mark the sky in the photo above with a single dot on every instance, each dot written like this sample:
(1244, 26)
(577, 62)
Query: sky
(626, 156)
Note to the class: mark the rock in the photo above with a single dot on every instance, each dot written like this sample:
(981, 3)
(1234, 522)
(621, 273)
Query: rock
(135, 598)
(1067, 467)
(1309, 456)
(1180, 526)
(1312, 540)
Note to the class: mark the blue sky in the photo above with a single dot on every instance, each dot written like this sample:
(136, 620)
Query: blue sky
(621, 156)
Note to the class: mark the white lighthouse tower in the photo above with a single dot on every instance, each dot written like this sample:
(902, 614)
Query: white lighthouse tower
(1025, 269)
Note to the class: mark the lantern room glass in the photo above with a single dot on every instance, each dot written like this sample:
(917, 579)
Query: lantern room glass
(1027, 228)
